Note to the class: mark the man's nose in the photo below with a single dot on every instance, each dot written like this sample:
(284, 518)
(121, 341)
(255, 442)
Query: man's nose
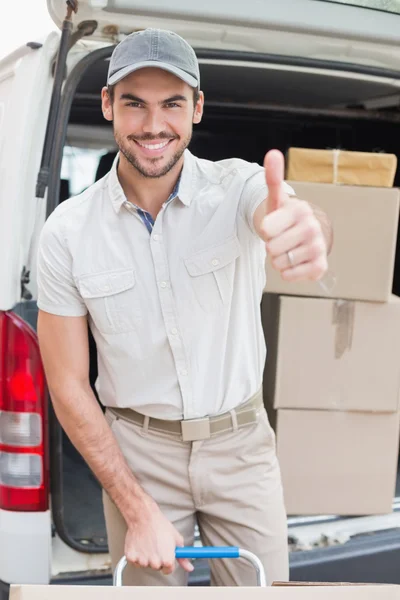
(153, 122)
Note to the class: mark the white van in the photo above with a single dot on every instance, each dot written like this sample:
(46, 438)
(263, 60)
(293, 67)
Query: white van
(312, 73)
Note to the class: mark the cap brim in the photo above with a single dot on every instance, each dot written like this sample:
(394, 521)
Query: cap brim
(192, 81)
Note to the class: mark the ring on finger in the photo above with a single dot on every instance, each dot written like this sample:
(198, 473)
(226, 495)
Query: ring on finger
(290, 256)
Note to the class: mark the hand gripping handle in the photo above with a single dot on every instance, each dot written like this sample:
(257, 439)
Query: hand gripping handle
(206, 552)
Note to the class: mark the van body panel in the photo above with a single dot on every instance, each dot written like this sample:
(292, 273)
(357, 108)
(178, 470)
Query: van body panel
(66, 560)
(25, 547)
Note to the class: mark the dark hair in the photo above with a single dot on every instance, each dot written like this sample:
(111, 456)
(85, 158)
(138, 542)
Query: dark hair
(196, 95)
(111, 89)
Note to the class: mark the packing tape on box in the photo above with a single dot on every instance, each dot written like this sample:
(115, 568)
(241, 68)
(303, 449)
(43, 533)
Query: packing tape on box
(335, 165)
(343, 319)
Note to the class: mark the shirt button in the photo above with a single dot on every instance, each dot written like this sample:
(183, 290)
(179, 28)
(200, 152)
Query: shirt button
(184, 372)
(174, 331)
(163, 284)
(156, 237)
(215, 262)
(106, 288)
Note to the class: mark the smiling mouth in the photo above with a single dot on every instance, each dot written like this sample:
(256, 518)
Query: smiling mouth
(155, 147)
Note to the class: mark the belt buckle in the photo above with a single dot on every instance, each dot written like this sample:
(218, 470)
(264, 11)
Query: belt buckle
(194, 430)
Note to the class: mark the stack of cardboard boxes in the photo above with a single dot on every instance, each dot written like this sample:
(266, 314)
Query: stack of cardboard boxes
(332, 376)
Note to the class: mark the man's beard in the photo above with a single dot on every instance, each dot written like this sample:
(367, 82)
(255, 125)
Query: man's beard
(152, 173)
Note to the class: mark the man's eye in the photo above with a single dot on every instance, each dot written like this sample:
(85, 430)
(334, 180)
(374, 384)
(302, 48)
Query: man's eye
(172, 105)
(134, 104)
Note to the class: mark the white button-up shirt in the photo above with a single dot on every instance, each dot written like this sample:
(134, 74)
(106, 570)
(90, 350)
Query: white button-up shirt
(174, 308)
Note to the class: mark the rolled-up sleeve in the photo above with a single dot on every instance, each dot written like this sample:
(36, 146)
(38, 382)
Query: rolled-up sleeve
(57, 292)
(255, 191)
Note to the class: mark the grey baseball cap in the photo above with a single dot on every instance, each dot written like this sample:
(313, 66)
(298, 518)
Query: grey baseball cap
(154, 48)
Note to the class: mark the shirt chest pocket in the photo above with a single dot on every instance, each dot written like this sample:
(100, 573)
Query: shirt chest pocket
(212, 273)
(112, 300)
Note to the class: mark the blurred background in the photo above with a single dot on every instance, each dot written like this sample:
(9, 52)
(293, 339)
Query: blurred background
(23, 19)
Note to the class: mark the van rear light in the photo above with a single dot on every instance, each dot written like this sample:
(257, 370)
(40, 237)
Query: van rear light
(23, 418)
(20, 429)
(20, 470)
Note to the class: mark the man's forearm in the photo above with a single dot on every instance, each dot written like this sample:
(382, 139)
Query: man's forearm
(81, 417)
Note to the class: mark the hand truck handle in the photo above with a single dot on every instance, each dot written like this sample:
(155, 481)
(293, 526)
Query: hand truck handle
(206, 552)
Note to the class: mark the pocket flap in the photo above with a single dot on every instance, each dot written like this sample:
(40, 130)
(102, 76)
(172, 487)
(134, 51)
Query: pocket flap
(103, 284)
(212, 259)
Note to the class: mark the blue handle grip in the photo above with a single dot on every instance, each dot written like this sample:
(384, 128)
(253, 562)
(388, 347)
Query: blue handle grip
(207, 552)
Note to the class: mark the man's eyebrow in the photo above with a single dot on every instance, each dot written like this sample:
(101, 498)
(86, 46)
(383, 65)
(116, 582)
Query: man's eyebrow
(133, 98)
(176, 98)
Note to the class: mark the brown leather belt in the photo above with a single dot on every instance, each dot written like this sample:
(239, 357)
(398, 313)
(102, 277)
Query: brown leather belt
(191, 430)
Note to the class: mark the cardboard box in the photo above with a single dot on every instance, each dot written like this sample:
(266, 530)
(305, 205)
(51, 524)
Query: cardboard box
(341, 167)
(351, 592)
(365, 222)
(335, 354)
(333, 372)
(338, 462)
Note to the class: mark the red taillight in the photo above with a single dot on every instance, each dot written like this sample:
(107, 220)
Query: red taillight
(23, 418)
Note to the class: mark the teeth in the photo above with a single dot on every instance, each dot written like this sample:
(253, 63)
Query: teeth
(155, 146)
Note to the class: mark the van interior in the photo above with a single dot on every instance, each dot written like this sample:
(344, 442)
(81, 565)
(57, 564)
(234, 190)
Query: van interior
(252, 103)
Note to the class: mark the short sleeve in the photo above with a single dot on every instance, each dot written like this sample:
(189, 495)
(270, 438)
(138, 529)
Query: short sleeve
(255, 191)
(57, 292)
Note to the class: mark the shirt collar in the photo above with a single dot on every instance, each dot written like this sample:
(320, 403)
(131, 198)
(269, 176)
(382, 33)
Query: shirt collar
(183, 189)
(175, 191)
(186, 184)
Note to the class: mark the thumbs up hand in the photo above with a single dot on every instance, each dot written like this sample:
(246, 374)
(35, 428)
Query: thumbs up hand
(294, 238)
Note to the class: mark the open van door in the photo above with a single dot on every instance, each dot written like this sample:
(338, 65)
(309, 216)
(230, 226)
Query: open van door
(25, 521)
(319, 30)
(25, 92)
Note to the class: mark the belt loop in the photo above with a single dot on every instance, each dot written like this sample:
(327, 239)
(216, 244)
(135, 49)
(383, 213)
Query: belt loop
(146, 424)
(234, 420)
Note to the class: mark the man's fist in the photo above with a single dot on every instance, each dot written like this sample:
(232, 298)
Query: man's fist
(151, 541)
(293, 235)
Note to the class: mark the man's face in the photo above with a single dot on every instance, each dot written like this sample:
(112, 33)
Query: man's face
(153, 114)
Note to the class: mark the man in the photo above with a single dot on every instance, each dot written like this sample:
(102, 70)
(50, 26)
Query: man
(164, 257)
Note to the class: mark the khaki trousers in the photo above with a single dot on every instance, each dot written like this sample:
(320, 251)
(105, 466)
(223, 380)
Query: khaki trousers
(230, 484)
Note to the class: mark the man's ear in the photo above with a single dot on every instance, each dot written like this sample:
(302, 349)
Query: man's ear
(198, 109)
(106, 104)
